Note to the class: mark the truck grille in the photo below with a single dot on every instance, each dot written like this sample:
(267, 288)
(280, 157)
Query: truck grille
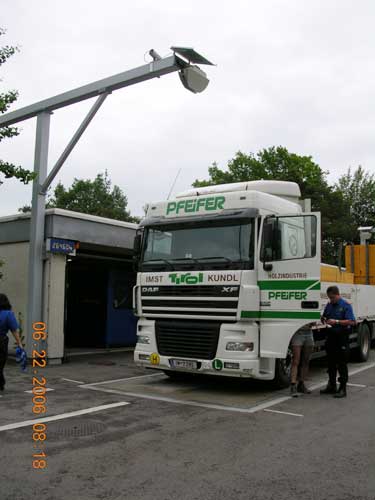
(191, 291)
(219, 302)
(187, 339)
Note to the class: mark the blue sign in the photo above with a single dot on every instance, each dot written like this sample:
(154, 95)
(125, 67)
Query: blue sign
(58, 245)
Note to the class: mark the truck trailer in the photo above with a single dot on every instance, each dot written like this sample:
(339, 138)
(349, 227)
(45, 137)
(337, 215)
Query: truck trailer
(228, 273)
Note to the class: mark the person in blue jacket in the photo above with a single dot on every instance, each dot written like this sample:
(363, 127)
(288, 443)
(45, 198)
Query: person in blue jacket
(8, 323)
(338, 315)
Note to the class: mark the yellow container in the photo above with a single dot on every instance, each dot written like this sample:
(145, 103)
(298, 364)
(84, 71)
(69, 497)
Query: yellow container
(360, 263)
(334, 275)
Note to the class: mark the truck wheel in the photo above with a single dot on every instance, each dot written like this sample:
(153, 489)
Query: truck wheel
(361, 353)
(282, 371)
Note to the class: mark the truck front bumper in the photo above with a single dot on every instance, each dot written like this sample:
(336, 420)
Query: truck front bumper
(230, 367)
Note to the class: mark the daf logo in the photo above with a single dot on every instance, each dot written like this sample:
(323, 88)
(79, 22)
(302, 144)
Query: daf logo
(228, 289)
(150, 289)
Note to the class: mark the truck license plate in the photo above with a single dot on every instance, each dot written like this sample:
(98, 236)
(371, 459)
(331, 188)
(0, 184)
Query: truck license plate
(184, 363)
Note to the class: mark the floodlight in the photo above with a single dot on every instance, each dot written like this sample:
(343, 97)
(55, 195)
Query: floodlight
(193, 79)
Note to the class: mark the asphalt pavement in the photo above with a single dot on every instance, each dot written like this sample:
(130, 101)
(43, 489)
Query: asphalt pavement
(120, 432)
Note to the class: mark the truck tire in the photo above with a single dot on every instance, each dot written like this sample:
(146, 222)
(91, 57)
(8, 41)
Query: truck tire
(361, 353)
(282, 371)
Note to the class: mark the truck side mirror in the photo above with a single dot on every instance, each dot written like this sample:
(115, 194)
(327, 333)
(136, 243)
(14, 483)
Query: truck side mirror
(268, 241)
(137, 247)
(137, 244)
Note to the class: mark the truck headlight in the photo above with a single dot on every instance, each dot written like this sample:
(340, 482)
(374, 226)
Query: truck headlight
(240, 346)
(143, 339)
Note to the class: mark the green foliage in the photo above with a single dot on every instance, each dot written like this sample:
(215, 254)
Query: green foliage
(358, 189)
(10, 170)
(95, 197)
(344, 206)
(273, 163)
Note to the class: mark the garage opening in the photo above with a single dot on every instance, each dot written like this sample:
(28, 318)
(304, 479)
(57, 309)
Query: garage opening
(98, 303)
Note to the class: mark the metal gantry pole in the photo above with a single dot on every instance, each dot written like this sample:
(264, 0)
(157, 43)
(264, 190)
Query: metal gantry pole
(195, 81)
(38, 208)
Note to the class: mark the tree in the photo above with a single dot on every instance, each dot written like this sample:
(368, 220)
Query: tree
(273, 163)
(358, 191)
(278, 163)
(95, 197)
(6, 100)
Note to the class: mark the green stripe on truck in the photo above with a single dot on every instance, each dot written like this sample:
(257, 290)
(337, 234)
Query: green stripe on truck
(281, 314)
(289, 284)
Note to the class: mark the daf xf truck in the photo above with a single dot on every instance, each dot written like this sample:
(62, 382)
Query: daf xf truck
(227, 274)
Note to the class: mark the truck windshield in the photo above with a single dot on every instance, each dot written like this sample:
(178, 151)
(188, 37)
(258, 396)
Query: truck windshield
(199, 247)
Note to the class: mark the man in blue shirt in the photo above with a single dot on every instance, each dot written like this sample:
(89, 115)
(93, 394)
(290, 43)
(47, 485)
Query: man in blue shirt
(8, 323)
(338, 315)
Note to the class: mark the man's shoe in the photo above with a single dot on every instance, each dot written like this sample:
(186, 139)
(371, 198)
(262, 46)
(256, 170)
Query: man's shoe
(341, 392)
(330, 389)
(302, 388)
(293, 391)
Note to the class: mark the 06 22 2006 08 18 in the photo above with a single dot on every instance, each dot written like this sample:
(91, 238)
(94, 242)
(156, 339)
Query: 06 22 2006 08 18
(39, 399)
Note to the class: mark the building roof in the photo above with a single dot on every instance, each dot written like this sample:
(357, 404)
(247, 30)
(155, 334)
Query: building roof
(70, 213)
(67, 224)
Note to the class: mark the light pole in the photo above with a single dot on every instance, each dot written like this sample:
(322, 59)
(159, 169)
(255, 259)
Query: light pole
(183, 60)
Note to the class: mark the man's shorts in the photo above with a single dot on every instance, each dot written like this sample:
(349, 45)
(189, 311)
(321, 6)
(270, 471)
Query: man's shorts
(303, 338)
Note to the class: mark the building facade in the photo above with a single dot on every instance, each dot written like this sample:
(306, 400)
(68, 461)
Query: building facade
(87, 292)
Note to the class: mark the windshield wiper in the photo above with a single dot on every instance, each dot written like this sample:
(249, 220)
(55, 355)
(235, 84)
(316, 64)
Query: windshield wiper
(157, 260)
(187, 258)
(216, 258)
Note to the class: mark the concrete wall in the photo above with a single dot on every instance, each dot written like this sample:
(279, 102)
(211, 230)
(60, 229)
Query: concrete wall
(54, 298)
(14, 280)
(14, 285)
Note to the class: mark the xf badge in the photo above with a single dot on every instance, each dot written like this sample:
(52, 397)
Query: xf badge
(228, 289)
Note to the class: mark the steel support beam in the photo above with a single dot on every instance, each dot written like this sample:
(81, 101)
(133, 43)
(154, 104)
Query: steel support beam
(142, 73)
(38, 207)
(69, 148)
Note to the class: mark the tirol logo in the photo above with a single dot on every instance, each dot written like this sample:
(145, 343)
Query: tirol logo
(187, 278)
(187, 206)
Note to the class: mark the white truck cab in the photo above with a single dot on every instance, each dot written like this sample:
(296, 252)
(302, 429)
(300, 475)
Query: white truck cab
(226, 275)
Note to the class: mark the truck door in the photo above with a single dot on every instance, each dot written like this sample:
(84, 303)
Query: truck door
(288, 278)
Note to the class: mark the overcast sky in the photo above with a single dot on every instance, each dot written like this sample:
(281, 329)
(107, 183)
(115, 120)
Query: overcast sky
(289, 72)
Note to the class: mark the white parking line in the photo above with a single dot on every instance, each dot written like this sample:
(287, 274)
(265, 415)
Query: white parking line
(253, 409)
(170, 400)
(285, 413)
(74, 381)
(362, 369)
(191, 403)
(351, 373)
(77, 413)
(123, 379)
(45, 388)
(356, 385)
